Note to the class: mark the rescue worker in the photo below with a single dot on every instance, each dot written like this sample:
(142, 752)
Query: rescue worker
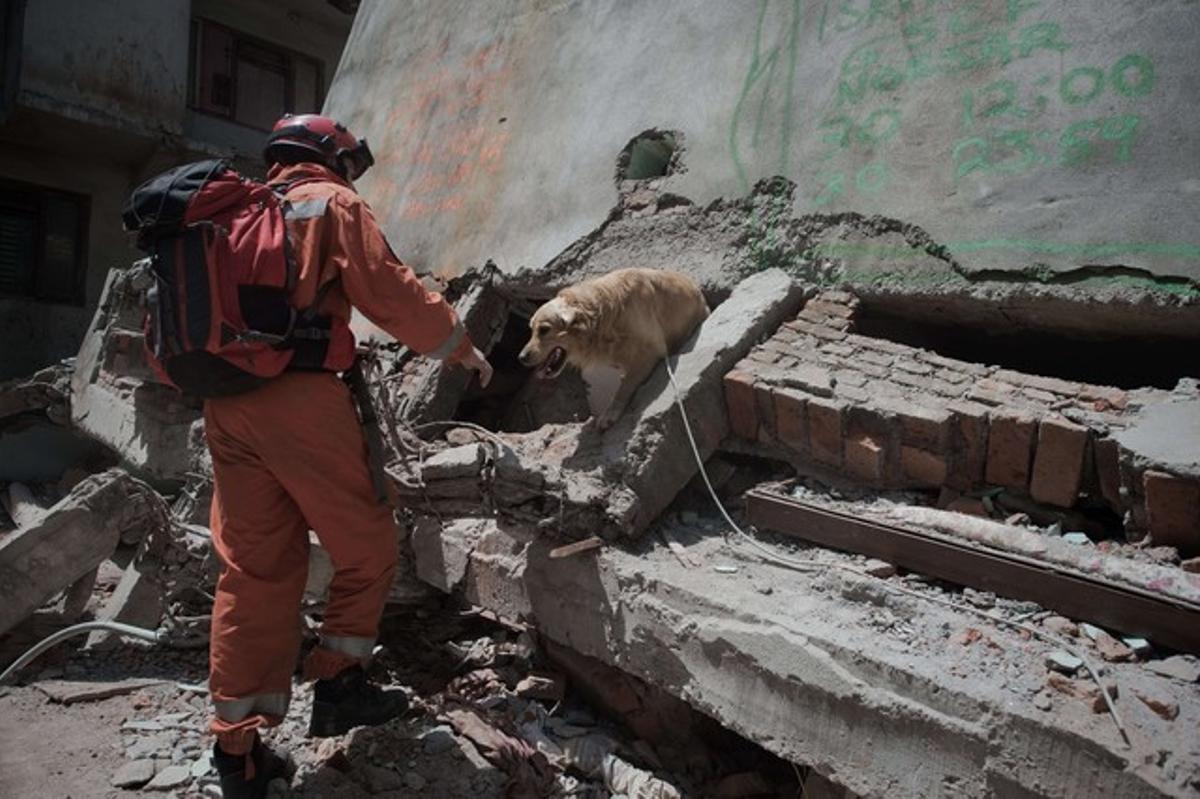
(290, 456)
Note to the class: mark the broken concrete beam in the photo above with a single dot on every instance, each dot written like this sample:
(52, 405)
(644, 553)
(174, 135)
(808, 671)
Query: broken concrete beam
(755, 661)
(116, 399)
(137, 601)
(658, 458)
(69, 542)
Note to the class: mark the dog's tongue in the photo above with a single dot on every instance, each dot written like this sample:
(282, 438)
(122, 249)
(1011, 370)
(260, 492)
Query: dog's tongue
(553, 364)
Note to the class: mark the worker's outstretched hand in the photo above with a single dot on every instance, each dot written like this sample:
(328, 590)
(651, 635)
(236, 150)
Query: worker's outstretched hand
(475, 360)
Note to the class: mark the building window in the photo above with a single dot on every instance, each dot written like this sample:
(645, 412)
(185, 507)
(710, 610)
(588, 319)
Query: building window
(250, 81)
(43, 243)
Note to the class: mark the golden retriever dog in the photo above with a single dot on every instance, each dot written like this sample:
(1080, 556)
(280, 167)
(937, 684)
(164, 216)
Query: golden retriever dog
(615, 329)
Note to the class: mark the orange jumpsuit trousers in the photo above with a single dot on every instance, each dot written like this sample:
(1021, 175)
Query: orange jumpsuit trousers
(290, 456)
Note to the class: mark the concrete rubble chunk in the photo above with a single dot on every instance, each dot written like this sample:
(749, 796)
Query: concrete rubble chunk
(116, 398)
(659, 460)
(1178, 667)
(170, 778)
(68, 543)
(134, 774)
(1063, 662)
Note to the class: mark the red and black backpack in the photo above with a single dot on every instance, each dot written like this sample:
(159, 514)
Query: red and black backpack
(218, 316)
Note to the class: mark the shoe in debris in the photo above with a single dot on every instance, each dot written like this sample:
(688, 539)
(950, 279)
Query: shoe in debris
(351, 700)
(265, 766)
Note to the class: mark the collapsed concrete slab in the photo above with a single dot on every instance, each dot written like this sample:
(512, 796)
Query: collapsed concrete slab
(116, 399)
(616, 482)
(67, 543)
(883, 694)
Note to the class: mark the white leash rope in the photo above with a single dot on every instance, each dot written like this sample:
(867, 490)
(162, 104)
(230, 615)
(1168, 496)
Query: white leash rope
(804, 564)
(78, 629)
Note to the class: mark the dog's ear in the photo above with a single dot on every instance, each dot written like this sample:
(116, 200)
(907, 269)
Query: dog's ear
(568, 315)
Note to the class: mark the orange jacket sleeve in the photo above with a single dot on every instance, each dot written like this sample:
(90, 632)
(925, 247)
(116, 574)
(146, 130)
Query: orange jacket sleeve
(388, 292)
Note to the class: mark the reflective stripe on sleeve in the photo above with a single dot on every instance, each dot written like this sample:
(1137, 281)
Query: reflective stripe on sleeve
(451, 343)
(235, 710)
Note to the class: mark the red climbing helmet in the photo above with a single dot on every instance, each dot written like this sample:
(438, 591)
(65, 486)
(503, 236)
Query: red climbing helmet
(327, 138)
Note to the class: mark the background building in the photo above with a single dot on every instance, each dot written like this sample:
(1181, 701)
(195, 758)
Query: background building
(95, 98)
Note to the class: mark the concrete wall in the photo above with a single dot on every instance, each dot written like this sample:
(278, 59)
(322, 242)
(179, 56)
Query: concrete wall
(121, 63)
(1016, 132)
(101, 84)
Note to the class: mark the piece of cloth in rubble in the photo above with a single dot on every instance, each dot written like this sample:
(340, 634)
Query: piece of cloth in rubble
(290, 457)
(343, 257)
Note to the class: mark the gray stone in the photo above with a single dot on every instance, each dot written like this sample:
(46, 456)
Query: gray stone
(1179, 667)
(170, 777)
(67, 543)
(414, 780)
(439, 739)
(1063, 662)
(134, 774)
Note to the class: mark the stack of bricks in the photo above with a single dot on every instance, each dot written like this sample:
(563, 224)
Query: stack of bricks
(893, 416)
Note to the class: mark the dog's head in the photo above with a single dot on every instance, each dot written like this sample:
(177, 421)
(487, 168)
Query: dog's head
(553, 327)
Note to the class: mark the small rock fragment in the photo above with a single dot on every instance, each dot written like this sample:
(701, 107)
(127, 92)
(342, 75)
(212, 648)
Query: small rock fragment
(134, 774)
(439, 739)
(1163, 706)
(170, 777)
(1061, 626)
(1140, 646)
(879, 568)
(414, 780)
(1042, 701)
(1077, 538)
(1191, 565)
(1179, 667)
(550, 687)
(1063, 662)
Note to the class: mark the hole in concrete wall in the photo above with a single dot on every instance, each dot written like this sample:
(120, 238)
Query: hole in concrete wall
(1131, 361)
(515, 401)
(651, 154)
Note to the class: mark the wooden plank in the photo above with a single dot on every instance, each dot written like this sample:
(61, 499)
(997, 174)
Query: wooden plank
(1127, 609)
(595, 542)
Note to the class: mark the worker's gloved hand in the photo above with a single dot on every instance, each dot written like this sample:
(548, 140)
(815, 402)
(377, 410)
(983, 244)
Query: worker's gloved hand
(476, 361)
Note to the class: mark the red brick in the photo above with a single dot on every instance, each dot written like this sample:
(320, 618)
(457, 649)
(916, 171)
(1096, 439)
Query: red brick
(841, 350)
(1043, 397)
(919, 382)
(811, 378)
(791, 424)
(1107, 456)
(855, 394)
(920, 425)
(1173, 511)
(820, 331)
(1058, 465)
(872, 369)
(846, 377)
(916, 367)
(839, 296)
(765, 407)
(968, 447)
(825, 430)
(741, 404)
(830, 308)
(877, 358)
(973, 369)
(883, 345)
(1064, 388)
(956, 378)
(1010, 448)
(923, 467)
(765, 356)
(865, 457)
(819, 318)
(1109, 397)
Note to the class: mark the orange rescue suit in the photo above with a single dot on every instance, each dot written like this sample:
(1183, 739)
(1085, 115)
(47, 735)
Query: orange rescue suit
(290, 457)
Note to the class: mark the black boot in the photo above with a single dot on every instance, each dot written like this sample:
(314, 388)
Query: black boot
(350, 700)
(267, 766)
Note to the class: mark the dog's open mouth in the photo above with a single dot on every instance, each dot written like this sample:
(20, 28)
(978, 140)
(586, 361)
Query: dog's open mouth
(553, 364)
